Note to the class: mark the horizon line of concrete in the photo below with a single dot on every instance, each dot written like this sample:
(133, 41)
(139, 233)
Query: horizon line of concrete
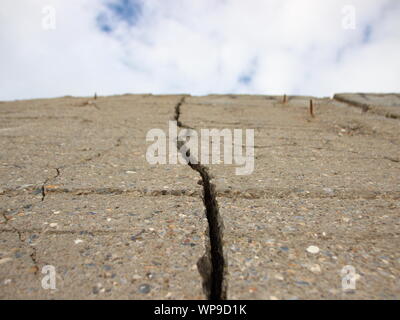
(201, 95)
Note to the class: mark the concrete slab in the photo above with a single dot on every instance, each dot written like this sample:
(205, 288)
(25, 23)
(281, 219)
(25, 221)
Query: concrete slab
(267, 242)
(78, 193)
(340, 160)
(387, 105)
(106, 247)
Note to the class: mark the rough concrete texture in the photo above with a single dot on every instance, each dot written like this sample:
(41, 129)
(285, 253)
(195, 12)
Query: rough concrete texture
(77, 193)
(383, 104)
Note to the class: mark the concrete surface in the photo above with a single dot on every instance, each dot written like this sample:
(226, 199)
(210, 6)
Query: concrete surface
(387, 105)
(77, 193)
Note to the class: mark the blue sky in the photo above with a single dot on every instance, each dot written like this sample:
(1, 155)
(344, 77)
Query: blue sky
(198, 47)
(115, 12)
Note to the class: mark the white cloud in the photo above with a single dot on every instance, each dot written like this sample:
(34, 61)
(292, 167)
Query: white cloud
(198, 47)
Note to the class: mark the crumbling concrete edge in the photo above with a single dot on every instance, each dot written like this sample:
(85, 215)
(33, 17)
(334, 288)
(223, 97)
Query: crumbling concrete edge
(364, 107)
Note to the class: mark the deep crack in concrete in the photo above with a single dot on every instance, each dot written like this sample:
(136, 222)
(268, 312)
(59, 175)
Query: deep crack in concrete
(212, 265)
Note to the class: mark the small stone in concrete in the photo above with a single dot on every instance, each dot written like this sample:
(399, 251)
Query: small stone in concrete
(4, 260)
(315, 268)
(279, 277)
(313, 249)
(144, 288)
(150, 275)
(329, 191)
(32, 238)
(302, 283)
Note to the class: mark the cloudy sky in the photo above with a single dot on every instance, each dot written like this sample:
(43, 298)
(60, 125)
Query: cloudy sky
(51, 48)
